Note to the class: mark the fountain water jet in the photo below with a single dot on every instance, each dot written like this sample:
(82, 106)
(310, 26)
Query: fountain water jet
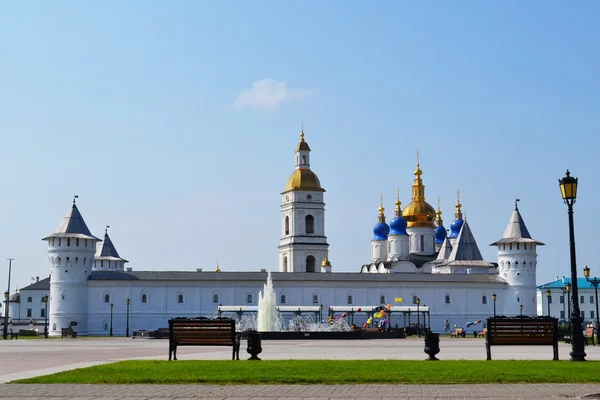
(268, 319)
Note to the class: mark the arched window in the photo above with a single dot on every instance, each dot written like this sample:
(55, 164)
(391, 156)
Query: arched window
(63, 295)
(422, 244)
(415, 297)
(447, 299)
(144, 298)
(77, 242)
(67, 260)
(68, 241)
(287, 225)
(510, 246)
(310, 264)
(283, 299)
(382, 299)
(517, 246)
(483, 299)
(59, 241)
(180, 298)
(249, 298)
(350, 299)
(86, 242)
(310, 224)
(304, 159)
(315, 299)
(215, 298)
(59, 261)
(285, 264)
(107, 298)
(101, 263)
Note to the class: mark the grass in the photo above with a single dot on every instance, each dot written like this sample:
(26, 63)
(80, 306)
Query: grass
(329, 372)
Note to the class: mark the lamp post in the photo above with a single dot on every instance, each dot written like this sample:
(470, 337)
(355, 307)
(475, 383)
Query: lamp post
(6, 296)
(594, 282)
(494, 300)
(568, 291)
(6, 316)
(111, 314)
(549, 297)
(418, 301)
(127, 329)
(568, 189)
(521, 308)
(45, 300)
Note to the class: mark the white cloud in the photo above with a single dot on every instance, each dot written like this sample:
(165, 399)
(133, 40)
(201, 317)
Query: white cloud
(267, 94)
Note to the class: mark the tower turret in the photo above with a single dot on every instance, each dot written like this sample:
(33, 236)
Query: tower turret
(107, 258)
(419, 216)
(440, 231)
(517, 263)
(381, 230)
(398, 239)
(458, 221)
(71, 251)
(303, 242)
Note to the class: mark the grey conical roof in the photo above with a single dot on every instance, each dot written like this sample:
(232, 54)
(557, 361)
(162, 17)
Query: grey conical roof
(516, 231)
(444, 253)
(107, 251)
(465, 251)
(73, 226)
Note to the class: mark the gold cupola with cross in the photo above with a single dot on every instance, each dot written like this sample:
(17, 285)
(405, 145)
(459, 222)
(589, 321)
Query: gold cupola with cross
(419, 213)
(303, 178)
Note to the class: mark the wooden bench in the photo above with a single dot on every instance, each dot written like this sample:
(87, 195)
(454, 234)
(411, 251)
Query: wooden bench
(589, 336)
(203, 332)
(458, 332)
(482, 333)
(64, 332)
(522, 331)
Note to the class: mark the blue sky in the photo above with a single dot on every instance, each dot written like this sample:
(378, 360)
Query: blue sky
(175, 123)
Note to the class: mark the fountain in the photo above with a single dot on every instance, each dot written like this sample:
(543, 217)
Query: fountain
(269, 322)
(268, 319)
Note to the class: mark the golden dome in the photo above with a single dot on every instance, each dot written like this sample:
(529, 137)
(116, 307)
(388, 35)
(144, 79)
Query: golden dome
(326, 263)
(303, 179)
(419, 213)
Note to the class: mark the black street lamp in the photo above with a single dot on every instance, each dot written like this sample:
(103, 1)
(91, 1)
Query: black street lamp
(127, 329)
(568, 189)
(549, 297)
(6, 296)
(45, 300)
(494, 300)
(418, 301)
(111, 314)
(521, 308)
(594, 282)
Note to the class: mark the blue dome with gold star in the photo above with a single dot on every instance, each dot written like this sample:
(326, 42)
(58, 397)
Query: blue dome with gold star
(381, 231)
(398, 226)
(455, 228)
(440, 234)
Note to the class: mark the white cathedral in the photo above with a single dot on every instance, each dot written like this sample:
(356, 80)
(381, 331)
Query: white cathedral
(412, 258)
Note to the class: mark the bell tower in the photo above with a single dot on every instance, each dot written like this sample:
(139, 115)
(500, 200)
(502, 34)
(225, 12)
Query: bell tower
(303, 244)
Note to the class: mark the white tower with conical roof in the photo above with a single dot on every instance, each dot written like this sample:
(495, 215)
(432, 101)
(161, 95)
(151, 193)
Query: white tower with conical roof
(303, 243)
(107, 258)
(517, 262)
(71, 254)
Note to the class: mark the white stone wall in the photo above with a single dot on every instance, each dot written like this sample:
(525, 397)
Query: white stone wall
(466, 299)
(379, 250)
(398, 247)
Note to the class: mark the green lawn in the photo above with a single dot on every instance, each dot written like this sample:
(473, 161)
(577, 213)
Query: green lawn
(330, 372)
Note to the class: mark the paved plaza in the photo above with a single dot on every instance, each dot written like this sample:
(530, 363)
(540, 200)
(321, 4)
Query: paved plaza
(28, 358)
